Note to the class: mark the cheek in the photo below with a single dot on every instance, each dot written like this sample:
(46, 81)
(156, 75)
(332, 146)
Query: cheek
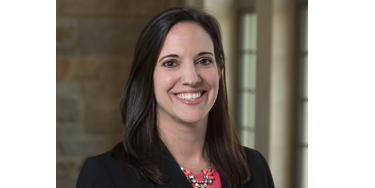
(162, 81)
(213, 78)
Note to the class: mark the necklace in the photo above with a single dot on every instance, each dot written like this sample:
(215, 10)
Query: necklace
(207, 175)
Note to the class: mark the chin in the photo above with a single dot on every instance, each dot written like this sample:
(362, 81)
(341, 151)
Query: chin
(192, 119)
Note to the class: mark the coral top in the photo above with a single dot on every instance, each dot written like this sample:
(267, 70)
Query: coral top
(215, 183)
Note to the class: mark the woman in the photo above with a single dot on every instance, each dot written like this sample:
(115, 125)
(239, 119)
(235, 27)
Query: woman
(175, 111)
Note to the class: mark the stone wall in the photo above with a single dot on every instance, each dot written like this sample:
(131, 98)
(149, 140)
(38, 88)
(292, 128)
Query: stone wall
(95, 41)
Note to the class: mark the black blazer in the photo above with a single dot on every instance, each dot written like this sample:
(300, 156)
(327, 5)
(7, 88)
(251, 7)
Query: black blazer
(104, 171)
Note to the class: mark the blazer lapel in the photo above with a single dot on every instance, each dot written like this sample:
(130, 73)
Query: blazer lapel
(224, 183)
(172, 169)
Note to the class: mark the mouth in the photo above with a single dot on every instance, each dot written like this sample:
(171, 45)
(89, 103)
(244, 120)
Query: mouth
(190, 96)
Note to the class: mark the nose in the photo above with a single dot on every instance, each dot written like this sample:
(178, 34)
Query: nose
(190, 75)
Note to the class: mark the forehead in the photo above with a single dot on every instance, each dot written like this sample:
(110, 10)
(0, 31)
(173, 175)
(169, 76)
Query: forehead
(187, 36)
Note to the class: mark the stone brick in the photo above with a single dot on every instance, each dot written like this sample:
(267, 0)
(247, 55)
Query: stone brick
(84, 69)
(92, 91)
(66, 182)
(72, 131)
(149, 8)
(70, 147)
(77, 69)
(93, 146)
(62, 66)
(102, 98)
(68, 107)
(58, 144)
(95, 7)
(128, 8)
(174, 3)
(66, 31)
(65, 169)
(112, 77)
(66, 37)
(81, 146)
(102, 37)
(114, 74)
(58, 9)
(102, 116)
(65, 51)
(112, 139)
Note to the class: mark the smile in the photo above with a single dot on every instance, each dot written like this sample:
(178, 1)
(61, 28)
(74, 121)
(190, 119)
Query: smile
(189, 96)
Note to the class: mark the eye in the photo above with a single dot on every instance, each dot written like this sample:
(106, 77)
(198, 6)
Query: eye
(205, 61)
(169, 64)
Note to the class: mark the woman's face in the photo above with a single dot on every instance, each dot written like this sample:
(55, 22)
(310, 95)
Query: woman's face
(186, 76)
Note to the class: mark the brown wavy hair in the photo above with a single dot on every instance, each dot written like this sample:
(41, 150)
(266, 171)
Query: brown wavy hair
(141, 149)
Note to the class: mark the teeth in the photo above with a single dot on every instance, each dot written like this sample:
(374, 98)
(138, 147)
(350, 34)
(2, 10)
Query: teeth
(189, 96)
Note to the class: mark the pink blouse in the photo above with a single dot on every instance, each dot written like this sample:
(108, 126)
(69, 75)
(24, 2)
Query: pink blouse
(215, 183)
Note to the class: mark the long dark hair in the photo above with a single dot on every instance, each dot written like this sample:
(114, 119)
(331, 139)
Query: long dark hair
(142, 149)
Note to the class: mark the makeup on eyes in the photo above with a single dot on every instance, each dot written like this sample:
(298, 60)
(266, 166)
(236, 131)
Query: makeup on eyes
(176, 56)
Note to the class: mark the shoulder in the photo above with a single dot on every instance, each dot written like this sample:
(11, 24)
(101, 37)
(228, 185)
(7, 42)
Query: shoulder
(95, 172)
(253, 155)
(259, 169)
(255, 160)
(105, 171)
(105, 160)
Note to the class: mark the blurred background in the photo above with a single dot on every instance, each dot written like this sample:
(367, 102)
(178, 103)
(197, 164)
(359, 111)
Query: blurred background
(266, 45)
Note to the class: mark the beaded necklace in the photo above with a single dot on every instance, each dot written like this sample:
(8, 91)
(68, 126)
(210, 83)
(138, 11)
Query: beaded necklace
(207, 175)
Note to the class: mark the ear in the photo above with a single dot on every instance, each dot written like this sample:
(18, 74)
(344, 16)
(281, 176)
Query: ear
(221, 68)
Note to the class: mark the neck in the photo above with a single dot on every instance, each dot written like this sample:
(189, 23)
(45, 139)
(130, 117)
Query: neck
(185, 142)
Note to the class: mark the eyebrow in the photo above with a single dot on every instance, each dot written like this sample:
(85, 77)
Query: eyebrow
(170, 55)
(175, 55)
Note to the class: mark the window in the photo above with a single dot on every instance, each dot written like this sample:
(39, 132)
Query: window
(247, 76)
(302, 62)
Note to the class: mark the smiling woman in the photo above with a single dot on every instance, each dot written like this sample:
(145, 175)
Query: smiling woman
(186, 78)
(175, 112)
